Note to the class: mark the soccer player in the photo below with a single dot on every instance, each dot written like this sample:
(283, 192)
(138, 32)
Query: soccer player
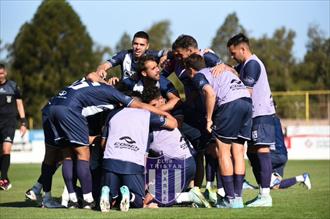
(149, 74)
(124, 155)
(174, 145)
(194, 112)
(224, 96)
(128, 59)
(65, 128)
(11, 104)
(253, 74)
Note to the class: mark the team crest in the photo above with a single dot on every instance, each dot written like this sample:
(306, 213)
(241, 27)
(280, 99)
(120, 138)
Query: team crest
(9, 99)
(165, 178)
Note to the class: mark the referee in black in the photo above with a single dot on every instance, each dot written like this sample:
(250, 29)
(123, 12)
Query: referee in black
(10, 103)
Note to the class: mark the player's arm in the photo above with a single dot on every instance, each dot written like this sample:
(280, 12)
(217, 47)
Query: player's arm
(251, 74)
(21, 113)
(210, 99)
(203, 85)
(172, 102)
(157, 122)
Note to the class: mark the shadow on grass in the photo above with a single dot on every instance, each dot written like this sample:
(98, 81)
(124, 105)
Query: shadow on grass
(25, 204)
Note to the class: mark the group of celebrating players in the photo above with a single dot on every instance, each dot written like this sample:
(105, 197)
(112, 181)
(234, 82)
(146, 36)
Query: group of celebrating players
(100, 131)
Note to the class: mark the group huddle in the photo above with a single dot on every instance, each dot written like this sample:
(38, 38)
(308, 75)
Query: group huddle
(101, 130)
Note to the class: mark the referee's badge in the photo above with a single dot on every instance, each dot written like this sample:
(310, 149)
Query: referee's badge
(9, 99)
(254, 135)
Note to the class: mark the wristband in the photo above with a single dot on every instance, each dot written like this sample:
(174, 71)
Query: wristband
(23, 121)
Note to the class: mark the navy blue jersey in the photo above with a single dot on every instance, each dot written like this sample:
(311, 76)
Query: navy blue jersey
(190, 90)
(9, 93)
(90, 98)
(127, 62)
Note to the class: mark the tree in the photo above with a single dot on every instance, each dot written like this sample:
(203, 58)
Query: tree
(314, 72)
(125, 42)
(276, 54)
(50, 52)
(160, 35)
(230, 27)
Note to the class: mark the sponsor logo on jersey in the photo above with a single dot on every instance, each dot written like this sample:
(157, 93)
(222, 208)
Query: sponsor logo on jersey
(9, 99)
(126, 142)
(165, 178)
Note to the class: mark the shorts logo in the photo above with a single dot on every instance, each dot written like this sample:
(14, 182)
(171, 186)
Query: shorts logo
(254, 135)
(165, 178)
(128, 139)
(9, 98)
(8, 139)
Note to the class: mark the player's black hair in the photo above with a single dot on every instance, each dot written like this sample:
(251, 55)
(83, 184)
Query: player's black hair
(150, 93)
(237, 39)
(141, 34)
(195, 62)
(141, 63)
(184, 42)
(2, 66)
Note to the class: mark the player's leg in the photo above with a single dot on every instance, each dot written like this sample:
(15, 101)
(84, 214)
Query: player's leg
(239, 171)
(84, 175)
(132, 191)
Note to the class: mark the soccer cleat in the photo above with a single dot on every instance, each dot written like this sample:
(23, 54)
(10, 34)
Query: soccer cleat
(198, 198)
(88, 205)
(71, 204)
(307, 181)
(275, 180)
(225, 203)
(238, 202)
(261, 201)
(247, 185)
(33, 196)
(124, 203)
(50, 203)
(5, 184)
(104, 199)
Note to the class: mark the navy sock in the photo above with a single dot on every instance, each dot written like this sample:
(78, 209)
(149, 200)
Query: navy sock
(253, 158)
(67, 172)
(209, 168)
(84, 176)
(219, 180)
(228, 185)
(5, 162)
(286, 183)
(265, 169)
(238, 184)
(47, 172)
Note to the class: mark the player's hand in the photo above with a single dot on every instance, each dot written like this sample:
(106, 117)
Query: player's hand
(101, 73)
(218, 70)
(112, 81)
(22, 130)
(209, 125)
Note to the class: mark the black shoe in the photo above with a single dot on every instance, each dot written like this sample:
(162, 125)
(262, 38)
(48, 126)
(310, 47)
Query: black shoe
(72, 204)
(88, 205)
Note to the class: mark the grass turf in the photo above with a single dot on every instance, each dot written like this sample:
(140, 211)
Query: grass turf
(295, 202)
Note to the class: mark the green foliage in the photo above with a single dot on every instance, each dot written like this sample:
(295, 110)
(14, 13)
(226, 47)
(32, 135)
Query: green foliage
(125, 42)
(314, 72)
(50, 52)
(276, 54)
(230, 27)
(160, 35)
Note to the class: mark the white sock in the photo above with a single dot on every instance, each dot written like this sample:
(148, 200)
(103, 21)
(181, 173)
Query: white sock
(265, 191)
(300, 178)
(183, 197)
(221, 192)
(208, 185)
(48, 195)
(88, 197)
(73, 197)
(37, 188)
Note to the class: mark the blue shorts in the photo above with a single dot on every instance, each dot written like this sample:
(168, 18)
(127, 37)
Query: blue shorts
(233, 120)
(278, 162)
(134, 182)
(64, 127)
(263, 131)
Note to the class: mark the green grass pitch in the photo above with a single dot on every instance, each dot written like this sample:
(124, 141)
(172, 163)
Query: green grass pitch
(295, 202)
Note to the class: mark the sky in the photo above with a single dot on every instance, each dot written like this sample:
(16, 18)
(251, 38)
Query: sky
(107, 20)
